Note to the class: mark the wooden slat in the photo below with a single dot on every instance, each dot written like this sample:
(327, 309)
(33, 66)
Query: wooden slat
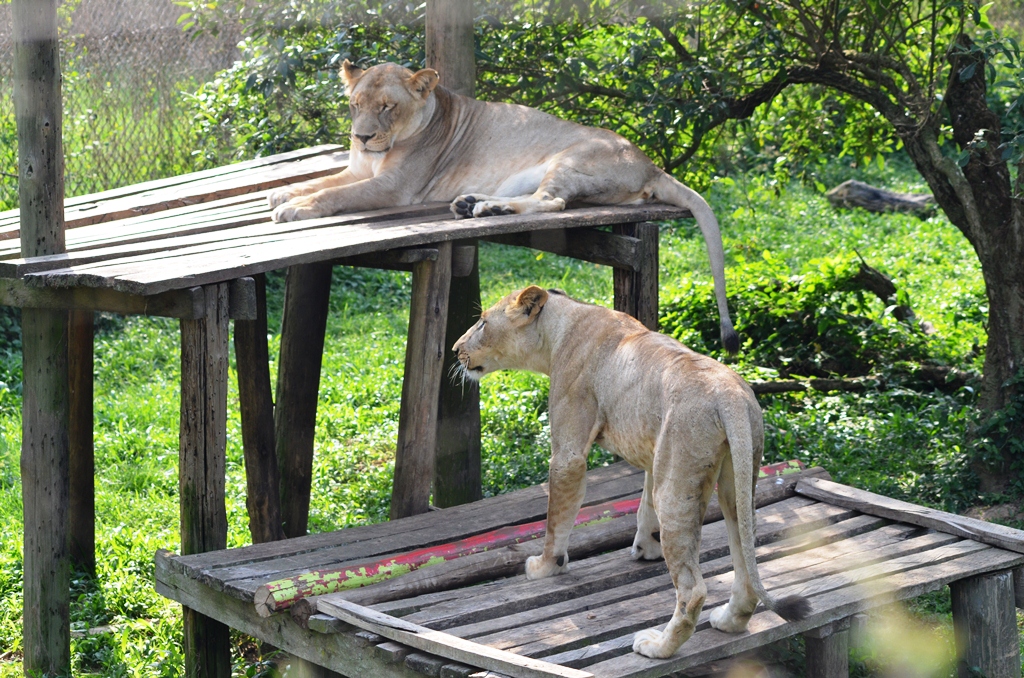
(199, 265)
(708, 644)
(894, 509)
(598, 247)
(603, 484)
(985, 625)
(185, 303)
(82, 497)
(448, 646)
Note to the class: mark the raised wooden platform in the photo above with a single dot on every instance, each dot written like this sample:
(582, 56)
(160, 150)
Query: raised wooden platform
(846, 550)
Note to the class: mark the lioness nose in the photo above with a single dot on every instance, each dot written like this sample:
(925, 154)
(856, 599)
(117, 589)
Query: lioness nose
(364, 137)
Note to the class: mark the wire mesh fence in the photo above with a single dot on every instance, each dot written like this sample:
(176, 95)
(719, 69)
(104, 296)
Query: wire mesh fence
(126, 64)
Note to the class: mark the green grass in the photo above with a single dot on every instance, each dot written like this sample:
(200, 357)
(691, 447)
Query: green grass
(900, 442)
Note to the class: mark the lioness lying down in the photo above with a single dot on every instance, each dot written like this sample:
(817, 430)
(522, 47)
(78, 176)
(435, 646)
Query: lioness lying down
(685, 419)
(414, 142)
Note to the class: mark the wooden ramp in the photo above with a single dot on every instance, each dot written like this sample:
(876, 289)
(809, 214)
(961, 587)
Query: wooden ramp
(846, 550)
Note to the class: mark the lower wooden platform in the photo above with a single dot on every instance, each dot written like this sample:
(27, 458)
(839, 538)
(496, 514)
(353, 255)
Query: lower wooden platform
(846, 550)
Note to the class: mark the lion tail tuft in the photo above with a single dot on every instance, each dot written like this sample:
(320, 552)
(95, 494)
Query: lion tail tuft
(672, 192)
(792, 608)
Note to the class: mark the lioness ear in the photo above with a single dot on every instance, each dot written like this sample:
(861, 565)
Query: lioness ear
(529, 302)
(350, 74)
(423, 82)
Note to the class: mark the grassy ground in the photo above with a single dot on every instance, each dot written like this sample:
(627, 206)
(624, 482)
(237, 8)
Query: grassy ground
(901, 442)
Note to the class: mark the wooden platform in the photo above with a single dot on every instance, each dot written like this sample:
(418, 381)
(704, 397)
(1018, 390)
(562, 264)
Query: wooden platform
(847, 550)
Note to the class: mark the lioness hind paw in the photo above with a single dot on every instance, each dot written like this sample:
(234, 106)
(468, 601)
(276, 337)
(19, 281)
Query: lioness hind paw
(646, 548)
(462, 207)
(651, 643)
(537, 567)
(723, 619)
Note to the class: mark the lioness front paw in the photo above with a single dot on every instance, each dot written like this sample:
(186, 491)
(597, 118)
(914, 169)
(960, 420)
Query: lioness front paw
(280, 196)
(537, 567)
(297, 209)
(652, 643)
(724, 619)
(466, 206)
(646, 545)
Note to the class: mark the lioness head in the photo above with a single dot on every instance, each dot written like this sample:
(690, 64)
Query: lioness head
(505, 337)
(386, 102)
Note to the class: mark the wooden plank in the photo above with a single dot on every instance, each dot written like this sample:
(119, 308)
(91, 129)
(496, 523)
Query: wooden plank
(82, 469)
(985, 625)
(449, 44)
(227, 232)
(307, 292)
(343, 652)
(586, 244)
(203, 448)
(256, 407)
(765, 627)
(457, 469)
(156, 273)
(894, 509)
(603, 484)
(424, 358)
(1018, 587)
(242, 302)
(186, 304)
(448, 646)
(636, 291)
(11, 216)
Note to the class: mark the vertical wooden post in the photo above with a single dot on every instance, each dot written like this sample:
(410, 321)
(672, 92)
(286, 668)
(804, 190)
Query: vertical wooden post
(256, 406)
(828, 650)
(985, 625)
(449, 44)
(457, 463)
(424, 360)
(202, 451)
(450, 51)
(45, 408)
(636, 292)
(82, 497)
(307, 293)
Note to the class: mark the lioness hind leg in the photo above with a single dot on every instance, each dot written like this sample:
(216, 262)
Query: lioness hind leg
(734, 615)
(647, 543)
(680, 542)
(466, 206)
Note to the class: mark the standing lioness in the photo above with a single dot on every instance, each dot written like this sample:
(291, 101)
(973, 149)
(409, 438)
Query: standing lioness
(685, 419)
(414, 142)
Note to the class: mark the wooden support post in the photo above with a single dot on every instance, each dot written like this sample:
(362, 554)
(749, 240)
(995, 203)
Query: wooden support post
(636, 292)
(828, 650)
(82, 497)
(424, 360)
(256, 406)
(449, 44)
(202, 451)
(985, 624)
(457, 464)
(307, 292)
(45, 404)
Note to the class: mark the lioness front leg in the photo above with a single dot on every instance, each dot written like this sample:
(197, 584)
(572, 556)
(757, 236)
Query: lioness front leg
(280, 196)
(647, 543)
(469, 205)
(567, 483)
(366, 194)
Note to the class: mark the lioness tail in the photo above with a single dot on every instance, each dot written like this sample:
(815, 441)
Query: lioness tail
(741, 449)
(672, 192)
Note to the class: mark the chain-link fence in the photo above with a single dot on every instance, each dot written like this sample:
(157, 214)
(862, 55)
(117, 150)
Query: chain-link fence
(126, 64)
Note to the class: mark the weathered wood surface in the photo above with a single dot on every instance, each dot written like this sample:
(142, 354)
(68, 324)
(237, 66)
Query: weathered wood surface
(82, 468)
(202, 459)
(586, 244)
(636, 289)
(985, 625)
(424, 358)
(446, 645)
(828, 650)
(894, 509)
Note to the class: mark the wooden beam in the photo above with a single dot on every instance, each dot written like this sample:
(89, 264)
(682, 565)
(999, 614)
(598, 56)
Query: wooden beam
(256, 406)
(586, 244)
(186, 304)
(202, 453)
(463, 259)
(457, 474)
(636, 291)
(985, 625)
(894, 509)
(242, 303)
(82, 496)
(307, 292)
(424, 360)
(449, 44)
(828, 650)
(446, 645)
(45, 405)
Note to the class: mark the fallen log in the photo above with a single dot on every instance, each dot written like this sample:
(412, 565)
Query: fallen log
(854, 193)
(508, 561)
